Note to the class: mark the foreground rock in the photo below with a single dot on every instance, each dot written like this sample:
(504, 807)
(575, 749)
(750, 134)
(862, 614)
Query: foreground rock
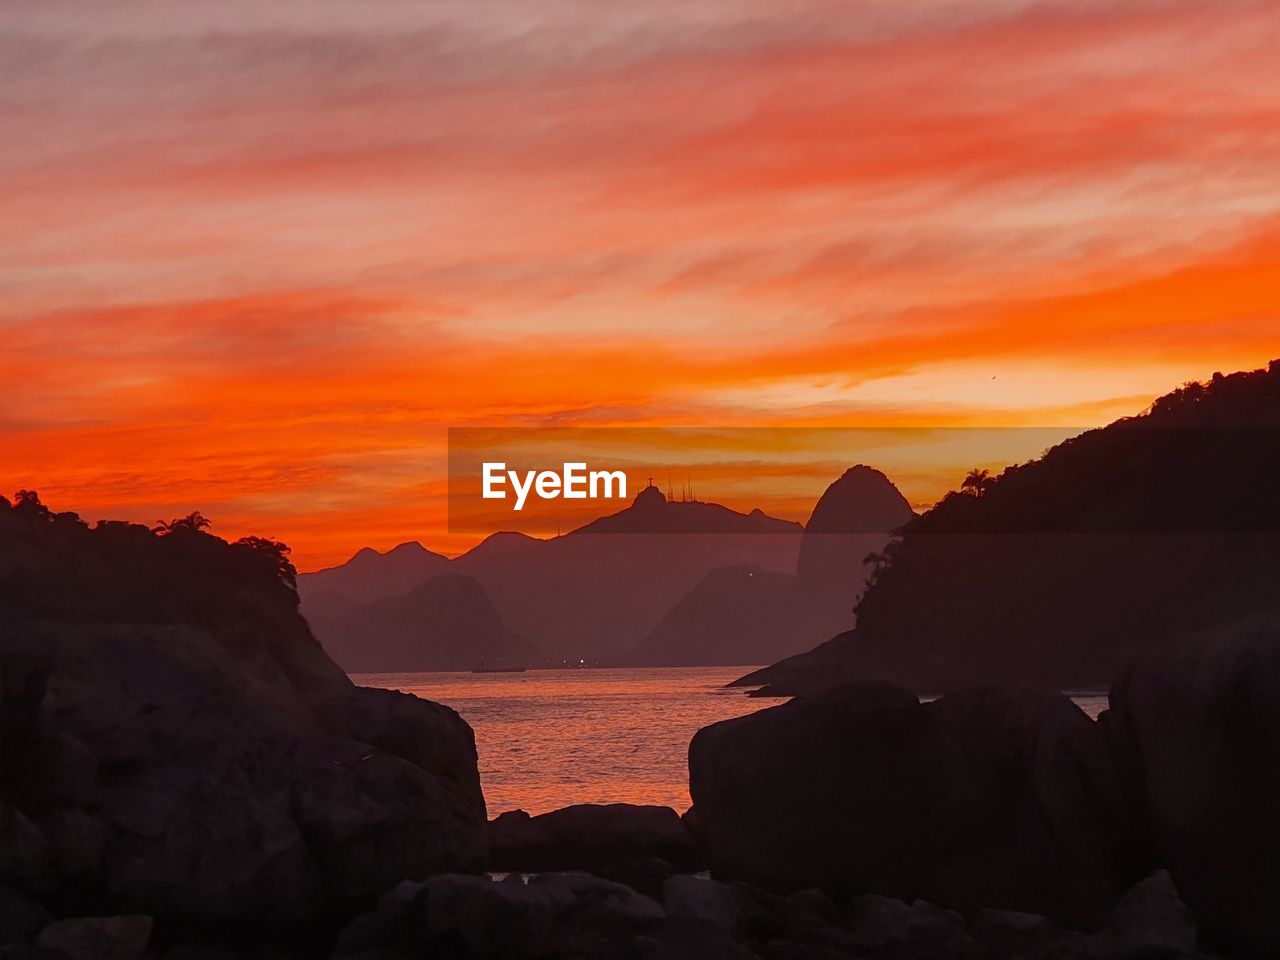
(990, 798)
(573, 915)
(174, 743)
(566, 914)
(180, 782)
(1199, 727)
(97, 938)
(590, 837)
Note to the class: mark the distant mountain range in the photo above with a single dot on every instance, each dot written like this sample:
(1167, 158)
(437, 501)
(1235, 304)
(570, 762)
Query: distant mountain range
(661, 583)
(1057, 571)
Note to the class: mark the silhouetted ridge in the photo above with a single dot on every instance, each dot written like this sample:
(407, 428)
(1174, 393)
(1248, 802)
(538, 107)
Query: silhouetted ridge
(372, 575)
(652, 512)
(1056, 571)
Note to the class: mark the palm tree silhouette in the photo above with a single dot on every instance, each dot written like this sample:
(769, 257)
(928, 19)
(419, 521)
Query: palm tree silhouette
(978, 482)
(192, 521)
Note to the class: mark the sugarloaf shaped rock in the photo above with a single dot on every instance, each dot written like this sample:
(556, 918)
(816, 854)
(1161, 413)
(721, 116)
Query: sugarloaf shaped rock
(746, 614)
(850, 521)
(862, 500)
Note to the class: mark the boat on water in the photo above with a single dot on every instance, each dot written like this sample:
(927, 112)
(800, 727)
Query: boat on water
(484, 669)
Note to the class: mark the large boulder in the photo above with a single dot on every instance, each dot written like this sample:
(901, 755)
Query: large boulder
(590, 836)
(990, 797)
(187, 781)
(1198, 727)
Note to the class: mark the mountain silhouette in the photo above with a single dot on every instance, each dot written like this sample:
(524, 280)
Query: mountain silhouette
(371, 575)
(597, 593)
(745, 615)
(849, 522)
(446, 623)
(1057, 571)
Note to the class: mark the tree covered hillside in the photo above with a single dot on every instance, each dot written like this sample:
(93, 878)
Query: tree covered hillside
(1054, 572)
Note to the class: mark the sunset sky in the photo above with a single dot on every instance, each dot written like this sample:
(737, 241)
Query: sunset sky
(257, 257)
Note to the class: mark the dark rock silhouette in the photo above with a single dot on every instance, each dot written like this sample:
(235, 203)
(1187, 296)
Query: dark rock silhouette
(561, 915)
(174, 743)
(645, 875)
(97, 938)
(446, 623)
(590, 837)
(1197, 728)
(990, 797)
(553, 915)
(1065, 567)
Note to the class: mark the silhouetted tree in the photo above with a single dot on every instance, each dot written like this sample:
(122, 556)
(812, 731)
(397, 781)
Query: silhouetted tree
(1181, 535)
(977, 482)
(276, 551)
(192, 521)
(27, 502)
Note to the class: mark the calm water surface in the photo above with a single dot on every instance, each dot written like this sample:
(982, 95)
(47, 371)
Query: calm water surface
(549, 738)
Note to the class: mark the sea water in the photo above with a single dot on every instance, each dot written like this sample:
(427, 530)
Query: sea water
(550, 738)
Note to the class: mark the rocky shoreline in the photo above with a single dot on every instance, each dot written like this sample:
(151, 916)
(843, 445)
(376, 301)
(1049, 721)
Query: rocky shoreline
(991, 823)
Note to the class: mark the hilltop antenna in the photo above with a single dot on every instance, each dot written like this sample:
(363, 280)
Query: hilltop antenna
(669, 497)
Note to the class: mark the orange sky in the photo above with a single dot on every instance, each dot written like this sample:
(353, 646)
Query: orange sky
(258, 257)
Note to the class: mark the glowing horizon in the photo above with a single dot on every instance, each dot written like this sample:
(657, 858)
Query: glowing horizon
(258, 258)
